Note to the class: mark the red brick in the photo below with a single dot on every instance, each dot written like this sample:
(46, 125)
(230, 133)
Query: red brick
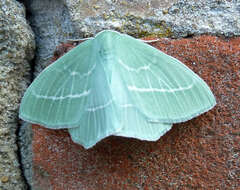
(202, 153)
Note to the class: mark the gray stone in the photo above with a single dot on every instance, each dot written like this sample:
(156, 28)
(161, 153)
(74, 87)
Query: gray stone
(51, 24)
(25, 145)
(170, 18)
(16, 50)
(55, 21)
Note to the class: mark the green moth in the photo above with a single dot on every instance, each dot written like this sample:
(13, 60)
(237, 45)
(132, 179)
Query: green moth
(114, 84)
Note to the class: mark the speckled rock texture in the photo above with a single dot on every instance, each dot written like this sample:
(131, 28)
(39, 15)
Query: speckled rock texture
(16, 50)
(54, 21)
(202, 153)
(172, 18)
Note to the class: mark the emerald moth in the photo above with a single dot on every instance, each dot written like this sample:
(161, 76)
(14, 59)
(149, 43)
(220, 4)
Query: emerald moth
(114, 84)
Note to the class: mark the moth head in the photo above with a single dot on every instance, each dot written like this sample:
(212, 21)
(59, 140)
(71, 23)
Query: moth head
(106, 41)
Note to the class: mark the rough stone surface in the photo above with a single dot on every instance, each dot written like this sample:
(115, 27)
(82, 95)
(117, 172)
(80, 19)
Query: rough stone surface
(25, 146)
(16, 50)
(202, 153)
(54, 21)
(51, 24)
(172, 18)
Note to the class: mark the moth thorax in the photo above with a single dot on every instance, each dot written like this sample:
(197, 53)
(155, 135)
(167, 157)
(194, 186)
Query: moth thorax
(105, 44)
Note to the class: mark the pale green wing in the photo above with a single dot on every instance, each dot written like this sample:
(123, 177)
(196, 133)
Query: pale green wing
(134, 124)
(59, 94)
(124, 119)
(160, 86)
(101, 117)
(96, 124)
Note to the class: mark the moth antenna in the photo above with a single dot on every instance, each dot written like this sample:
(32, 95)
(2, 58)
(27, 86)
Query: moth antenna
(79, 39)
(150, 41)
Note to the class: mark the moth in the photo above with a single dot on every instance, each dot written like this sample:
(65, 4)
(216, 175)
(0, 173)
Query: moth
(114, 84)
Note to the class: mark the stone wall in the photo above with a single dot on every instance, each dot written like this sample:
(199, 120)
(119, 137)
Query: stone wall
(16, 51)
(202, 34)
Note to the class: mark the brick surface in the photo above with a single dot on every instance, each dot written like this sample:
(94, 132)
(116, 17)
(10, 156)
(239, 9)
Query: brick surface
(202, 153)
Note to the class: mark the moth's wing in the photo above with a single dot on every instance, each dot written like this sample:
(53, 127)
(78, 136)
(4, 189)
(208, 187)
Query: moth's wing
(161, 87)
(101, 117)
(134, 124)
(96, 125)
(114, 117)
(58, 96)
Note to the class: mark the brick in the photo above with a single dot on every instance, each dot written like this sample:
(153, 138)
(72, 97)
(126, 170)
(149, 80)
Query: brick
(200, 153)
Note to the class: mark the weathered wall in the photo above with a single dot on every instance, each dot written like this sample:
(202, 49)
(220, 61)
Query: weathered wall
(16, 50)
(54, 21)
